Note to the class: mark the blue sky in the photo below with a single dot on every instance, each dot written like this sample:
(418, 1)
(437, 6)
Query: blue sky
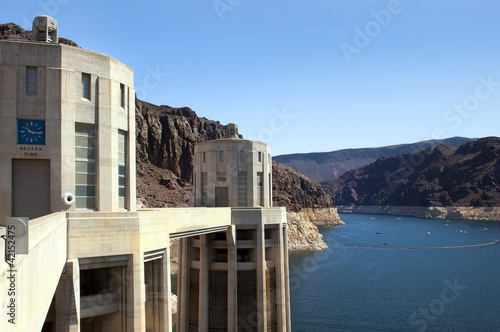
(301, 75)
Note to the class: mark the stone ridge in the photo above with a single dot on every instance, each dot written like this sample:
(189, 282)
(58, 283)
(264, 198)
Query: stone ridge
(321, 166)
(295, 191)
(465, 176)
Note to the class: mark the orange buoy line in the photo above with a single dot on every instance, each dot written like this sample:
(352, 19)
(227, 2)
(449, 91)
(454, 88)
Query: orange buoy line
(413, 247)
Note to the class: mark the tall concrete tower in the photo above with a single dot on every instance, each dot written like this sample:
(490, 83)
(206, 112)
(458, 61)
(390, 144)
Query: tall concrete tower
(68, 127)
(237, 279)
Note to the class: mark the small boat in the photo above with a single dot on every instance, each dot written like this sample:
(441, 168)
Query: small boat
(378, 232)
(429, 233)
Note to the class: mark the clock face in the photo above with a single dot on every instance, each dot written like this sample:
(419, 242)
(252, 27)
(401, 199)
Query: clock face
(31, 132)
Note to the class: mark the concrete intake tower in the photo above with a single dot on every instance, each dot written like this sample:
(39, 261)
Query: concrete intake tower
(237, 279)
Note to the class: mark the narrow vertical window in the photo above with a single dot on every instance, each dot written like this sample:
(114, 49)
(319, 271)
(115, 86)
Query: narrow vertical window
(204, 189)
(86, 86)
(260, 156)
(221, 156)
(85, 161)
(122, 95)
(31, 80)
(270, 184)
(122, 169)
(242, 188)
(242, 156)
(204, 156)
(260, 196)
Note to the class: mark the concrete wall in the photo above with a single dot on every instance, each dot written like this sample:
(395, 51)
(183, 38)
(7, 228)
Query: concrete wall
(211, 164)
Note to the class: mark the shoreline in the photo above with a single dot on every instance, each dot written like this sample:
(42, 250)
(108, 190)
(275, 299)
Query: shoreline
(432, 212)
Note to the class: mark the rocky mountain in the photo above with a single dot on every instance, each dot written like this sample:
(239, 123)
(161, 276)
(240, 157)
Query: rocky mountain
(321, 166)
(443, 176)
(308, 206)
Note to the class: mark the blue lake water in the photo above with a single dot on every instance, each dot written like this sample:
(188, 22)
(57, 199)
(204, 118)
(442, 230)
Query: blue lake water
(382, 287)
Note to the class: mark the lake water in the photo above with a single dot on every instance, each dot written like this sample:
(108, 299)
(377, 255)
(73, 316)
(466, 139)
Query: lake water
(380, 286)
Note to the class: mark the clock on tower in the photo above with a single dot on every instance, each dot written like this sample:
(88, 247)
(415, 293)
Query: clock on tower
(31, 132)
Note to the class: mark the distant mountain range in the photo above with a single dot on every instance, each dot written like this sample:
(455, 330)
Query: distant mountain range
(321, 166)
(440, 176)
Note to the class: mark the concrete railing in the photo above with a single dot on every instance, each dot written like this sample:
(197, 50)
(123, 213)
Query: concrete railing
(28, 288)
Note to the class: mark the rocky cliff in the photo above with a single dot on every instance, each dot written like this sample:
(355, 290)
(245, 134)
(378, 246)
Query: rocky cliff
(439, 177)
(308, 207)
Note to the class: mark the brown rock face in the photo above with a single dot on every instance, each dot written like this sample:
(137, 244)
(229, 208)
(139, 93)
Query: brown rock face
(166, 137)
(295, 191)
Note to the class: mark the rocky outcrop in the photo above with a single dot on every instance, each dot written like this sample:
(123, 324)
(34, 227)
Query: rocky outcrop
(453, 178)
(166, 137)
(302, 234)
(308, 207)
(300, 194)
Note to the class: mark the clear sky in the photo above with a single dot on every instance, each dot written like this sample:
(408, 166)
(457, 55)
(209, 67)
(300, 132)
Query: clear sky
(302, 75)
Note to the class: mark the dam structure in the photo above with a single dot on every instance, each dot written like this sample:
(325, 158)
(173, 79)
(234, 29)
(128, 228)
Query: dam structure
(79, 255)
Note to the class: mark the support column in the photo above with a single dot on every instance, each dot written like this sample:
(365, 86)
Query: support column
(136, 296)
(287, 278)
(232, 280)
(166, 291)
(67, 298)
(203, 303)
(280, 266)
(183, 286)
(260, 265)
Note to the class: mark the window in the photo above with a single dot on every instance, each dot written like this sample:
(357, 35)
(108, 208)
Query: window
(204, 190)
(122, 95)
(86, 86)
(242, 188)
(31, 80)
(260, 196)
(242, 156)
(221, 156)
(85, 170)
(204, 156)
(122, 169)
(260, 156)
(221, 176)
